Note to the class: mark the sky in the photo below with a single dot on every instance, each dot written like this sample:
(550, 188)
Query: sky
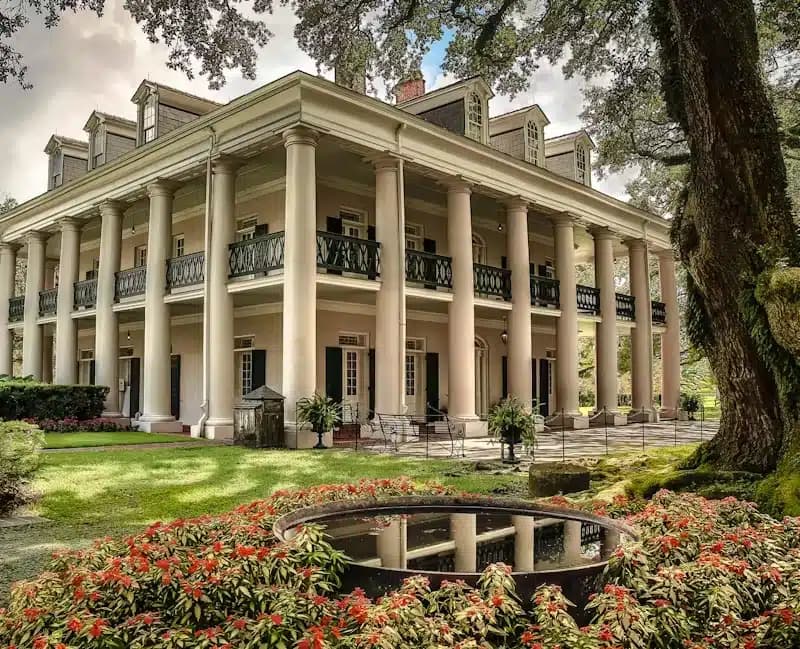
(89, 63)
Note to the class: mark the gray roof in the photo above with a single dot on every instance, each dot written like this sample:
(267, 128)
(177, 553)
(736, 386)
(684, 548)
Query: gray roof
(263, 394)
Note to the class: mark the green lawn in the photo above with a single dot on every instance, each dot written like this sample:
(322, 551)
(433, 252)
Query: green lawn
(85, 439)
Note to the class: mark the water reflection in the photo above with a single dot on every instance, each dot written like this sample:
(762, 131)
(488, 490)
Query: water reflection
(467, 542)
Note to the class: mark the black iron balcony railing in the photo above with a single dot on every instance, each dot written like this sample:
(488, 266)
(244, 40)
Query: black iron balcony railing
(588, 299)
(343, 254)
(626, 306)
(659, 312)
(258, 255)
(490, 280)
(48, 301)
(84, 294)
(545, 291)
(131, 282)
(186, 270)
(429, 269)
(16, 308)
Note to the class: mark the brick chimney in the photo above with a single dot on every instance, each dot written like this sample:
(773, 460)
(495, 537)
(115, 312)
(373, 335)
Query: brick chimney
(410, 88)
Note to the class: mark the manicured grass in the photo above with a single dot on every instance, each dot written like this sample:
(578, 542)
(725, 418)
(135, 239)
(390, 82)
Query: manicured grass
(87, 440)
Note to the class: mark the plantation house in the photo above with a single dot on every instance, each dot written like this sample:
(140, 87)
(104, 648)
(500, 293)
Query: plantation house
(311, 238)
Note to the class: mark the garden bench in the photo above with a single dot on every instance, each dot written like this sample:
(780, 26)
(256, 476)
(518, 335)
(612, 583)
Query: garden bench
(436, 430)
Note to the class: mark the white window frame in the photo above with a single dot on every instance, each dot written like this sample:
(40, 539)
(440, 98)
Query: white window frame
(581, 164)
(532, 141)
(57, 168)
(98, 146)
(415, 235)
(178, 245)
(243, 347)
(474, 116)
(246, 228)
(355, 219)
(149, 112)
(140, 256)
(478, 249)
(549, 269)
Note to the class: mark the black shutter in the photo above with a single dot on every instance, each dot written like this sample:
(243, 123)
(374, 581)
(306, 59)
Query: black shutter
(91, 372)
(371, 233)
(505, 377)
(371, 386)
(372, 262)
(544, 381)
(432, 379)
(334, 224)
(333, 373)
(542, 270)
(259, 368)
(136, 373)
(175, 386)
(534, 394)
(261, 230)
(532, 268)
(504, 262)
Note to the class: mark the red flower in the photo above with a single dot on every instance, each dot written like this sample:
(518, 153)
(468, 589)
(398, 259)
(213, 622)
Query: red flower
(276, 619)
(74, 625)
(39, 642)
(97, 628)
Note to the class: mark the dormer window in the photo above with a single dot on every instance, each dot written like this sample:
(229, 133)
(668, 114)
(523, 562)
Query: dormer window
(580, 164)
(98, 147)
(56, 169)
(475, 117)
(532, 142)
(149, 119)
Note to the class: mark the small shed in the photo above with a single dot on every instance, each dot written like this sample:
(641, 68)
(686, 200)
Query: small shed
(258, 419)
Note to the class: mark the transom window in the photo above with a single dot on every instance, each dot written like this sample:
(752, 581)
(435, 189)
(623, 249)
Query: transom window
(98, 147)
(532, 142)
(352, 340)
(475, 117)
(354, 223)
(140, 256)
(580, 163)
(149, 119)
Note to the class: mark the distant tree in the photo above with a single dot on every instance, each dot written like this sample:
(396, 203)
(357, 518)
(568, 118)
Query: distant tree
(7, 203)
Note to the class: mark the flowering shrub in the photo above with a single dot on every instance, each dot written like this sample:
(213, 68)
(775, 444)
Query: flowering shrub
(704, 574)
(71, 425)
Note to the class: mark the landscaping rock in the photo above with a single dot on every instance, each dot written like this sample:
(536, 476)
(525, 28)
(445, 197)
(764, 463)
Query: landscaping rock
(553, 478)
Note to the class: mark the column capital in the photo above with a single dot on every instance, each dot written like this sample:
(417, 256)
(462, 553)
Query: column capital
(113, 207)
(226, 164)
(635, 244)
(516, 203)
(9, 246)
(300, 135)
(601, 233)
(667, 254)
(161, 187)
(457, 185)
(563, 220)
(71, 224)
(385, 162)
(37, 235)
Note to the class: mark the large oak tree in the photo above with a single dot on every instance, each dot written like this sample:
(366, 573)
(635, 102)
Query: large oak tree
(691, 76)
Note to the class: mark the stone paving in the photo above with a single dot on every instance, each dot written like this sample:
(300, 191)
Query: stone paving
(593, 442)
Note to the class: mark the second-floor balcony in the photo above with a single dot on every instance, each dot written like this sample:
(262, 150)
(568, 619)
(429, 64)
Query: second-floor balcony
(626, 306)
(492, 281)
(339, 253)
(257, 256)
(588, 299)
(434, 271)
(545, 292)
(186, 270)
(48, 301)
(131, 282)
(659, 313)
(84, 294)
(16, 308)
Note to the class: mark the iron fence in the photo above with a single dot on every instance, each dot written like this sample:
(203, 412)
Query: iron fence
(16, 308)
(84, 294)
(659, 312)
(186, 270)
(259, 255)
(588, 299)
(626, 306)
(48, 301)
(131, 282)
(429, 269)
(342, 254)
(490, 280)
(545, 291)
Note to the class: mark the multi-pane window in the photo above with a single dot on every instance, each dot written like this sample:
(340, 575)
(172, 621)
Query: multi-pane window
(478, 249)
(246, 372)
(56, 168)
(351, 373)
(353, 223)
(140, 256)
(178, 245)
(411, 375)
(414, 236)
(475, 117)
(580, 164)
(98, 147)
(149, 119)
(532, 142)
(246, 228)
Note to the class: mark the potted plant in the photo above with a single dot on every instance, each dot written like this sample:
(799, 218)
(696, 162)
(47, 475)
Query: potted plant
(321, 413)
(513, 422)
(690, 402)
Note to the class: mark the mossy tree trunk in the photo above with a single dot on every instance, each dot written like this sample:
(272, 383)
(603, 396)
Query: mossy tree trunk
(736, 223)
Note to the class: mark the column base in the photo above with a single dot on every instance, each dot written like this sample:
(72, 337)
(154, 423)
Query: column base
(673, 413)
(607, 418)
(160, 426)
(643, 416)
(303, 438)
(219, 431)
(572, 421)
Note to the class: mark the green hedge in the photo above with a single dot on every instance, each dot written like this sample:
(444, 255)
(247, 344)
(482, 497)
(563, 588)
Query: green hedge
(19, 458)
(24, 399)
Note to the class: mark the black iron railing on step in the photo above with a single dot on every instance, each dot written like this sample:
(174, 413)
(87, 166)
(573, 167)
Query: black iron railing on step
(16, 308)
(259, 255)
(429, 269)
(659, 312)
(626, 306)
(84, 294)
(342, 254)
(186, 270)
(545, 292)
(490, 280)
(131, 282)
(48, 301)
(588, 299)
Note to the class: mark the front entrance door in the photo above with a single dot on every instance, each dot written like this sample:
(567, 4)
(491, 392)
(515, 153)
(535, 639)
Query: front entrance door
(175, 385)
(481, 377)
(352, 382)
(415, 384)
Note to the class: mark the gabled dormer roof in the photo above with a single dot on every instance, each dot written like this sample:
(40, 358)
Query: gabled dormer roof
(175, 98)
(68, 146)
(516, 119)
(446, 94)
(113, 124)
(567, 142)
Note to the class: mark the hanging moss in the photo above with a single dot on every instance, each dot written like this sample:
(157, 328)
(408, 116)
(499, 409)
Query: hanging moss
(779, 293)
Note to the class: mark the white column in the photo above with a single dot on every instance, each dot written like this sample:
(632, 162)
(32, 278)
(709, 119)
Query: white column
(567, 327)
(106, 341)
(671, 338)
(156, 410)
(642, 334)
(32, 339)
(606, 371)
(66, 327)
(299, 272)
(392, 544)
(390, 301)
(47, 357)
(461, 321)
(519, 321)
(8, 269)
(220, 325)
(523, 543)
(463, 531)
(572, 543)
